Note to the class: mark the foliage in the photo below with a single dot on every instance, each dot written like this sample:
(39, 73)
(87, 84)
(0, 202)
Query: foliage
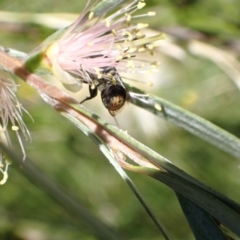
(195, 82)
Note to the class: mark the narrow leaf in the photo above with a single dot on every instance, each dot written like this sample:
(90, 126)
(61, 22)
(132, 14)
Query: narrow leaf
(201, 223)
(189, 121)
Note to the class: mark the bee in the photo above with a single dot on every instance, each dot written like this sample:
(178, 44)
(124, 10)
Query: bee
(113, 92)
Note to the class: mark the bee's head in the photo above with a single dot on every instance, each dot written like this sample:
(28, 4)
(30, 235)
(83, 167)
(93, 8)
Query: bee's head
(113, 97)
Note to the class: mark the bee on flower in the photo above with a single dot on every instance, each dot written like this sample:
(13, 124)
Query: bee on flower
(96, 50)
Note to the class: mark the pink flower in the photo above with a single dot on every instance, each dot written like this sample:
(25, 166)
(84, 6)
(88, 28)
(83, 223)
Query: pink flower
(102, 44)
(91, 44)
(96, 50)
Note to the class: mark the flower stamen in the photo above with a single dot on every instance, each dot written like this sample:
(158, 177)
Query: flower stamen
(11, 110)
(94, 44)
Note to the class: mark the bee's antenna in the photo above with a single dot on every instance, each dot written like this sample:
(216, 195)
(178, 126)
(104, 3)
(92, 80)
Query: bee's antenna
(115, 119)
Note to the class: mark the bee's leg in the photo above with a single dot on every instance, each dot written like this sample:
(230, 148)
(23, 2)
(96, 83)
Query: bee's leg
(93, 93)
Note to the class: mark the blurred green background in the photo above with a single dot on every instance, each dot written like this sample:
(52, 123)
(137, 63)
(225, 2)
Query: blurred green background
(200, 84)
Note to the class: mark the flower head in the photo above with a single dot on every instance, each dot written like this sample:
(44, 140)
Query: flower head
(109, 42)
(93, 47)
(11, 113)
(94, 43)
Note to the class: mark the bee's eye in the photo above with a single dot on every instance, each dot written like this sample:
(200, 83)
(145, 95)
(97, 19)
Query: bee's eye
(114, 97)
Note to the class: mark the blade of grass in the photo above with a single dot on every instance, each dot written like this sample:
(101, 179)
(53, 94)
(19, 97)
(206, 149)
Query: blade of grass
(201, 223)
(207, 201)
(189, 121)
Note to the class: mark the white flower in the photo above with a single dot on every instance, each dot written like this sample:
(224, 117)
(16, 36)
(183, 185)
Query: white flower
(11, 114)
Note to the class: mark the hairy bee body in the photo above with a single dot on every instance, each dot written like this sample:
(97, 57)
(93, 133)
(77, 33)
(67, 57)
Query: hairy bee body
(113, 92)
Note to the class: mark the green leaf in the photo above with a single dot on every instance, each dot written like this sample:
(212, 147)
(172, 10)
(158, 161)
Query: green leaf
(202, 224)
(189, 121)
